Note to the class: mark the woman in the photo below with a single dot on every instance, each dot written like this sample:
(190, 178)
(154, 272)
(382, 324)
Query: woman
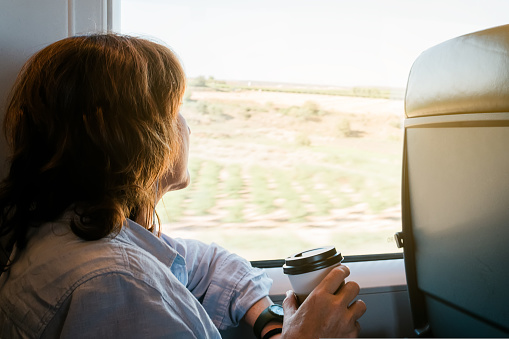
(96, 139)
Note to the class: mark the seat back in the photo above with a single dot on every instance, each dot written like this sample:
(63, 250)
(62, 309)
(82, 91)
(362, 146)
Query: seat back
(456, 187)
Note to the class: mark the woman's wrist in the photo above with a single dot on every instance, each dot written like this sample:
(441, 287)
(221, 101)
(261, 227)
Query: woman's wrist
(274, 330)
(273, 334)
(263, 325)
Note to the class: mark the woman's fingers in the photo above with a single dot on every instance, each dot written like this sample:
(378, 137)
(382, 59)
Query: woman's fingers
(334, 279)
(290, 304)
(348, 292)
(358, 308)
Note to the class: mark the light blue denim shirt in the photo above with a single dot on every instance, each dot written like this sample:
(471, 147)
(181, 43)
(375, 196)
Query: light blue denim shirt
(134, 285)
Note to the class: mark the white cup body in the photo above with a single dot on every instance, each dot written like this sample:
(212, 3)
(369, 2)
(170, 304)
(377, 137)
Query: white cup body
(303, 284)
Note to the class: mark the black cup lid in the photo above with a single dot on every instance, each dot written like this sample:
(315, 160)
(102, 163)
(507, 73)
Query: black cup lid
(311, 260)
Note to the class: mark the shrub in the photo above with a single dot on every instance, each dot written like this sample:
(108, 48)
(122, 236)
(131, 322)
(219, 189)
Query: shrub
(187, 96)
(216, 110)
(303, 140)
(343, 128)
(310, 108)
(202, 107)
(308, 111)
(198, 82)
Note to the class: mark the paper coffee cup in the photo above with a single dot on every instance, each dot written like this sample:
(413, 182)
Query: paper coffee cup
(307, 269)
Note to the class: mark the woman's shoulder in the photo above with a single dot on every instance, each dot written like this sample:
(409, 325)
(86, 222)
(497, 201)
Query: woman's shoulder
(56, 263)
(53, 250)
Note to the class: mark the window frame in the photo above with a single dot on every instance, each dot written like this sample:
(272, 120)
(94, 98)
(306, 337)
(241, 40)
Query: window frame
(273, 263)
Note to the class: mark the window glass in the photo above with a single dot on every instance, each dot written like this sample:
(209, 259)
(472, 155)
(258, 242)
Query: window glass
(296, 111)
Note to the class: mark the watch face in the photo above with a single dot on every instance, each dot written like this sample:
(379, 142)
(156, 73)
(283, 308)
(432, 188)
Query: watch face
(277, 309)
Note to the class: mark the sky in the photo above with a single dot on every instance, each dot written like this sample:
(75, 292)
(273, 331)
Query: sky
(322, 42)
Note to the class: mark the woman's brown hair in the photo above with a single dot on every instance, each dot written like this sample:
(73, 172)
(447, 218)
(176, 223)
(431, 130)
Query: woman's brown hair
(91, 124)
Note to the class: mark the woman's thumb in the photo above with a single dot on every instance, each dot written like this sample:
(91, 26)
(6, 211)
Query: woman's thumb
(290, 304)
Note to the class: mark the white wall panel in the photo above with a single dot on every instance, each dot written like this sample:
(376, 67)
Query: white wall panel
(26, 26)
(87, 16)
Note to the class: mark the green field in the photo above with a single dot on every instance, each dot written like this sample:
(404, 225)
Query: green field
(301, 174)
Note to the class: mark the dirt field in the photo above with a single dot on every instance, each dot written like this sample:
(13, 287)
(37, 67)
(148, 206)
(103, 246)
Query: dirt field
(249, 129)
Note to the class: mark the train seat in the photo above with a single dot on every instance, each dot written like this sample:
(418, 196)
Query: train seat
(455, 195)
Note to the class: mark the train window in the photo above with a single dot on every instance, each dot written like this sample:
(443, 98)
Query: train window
(296, 111)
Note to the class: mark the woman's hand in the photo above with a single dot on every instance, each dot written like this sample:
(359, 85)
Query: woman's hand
(328, 311)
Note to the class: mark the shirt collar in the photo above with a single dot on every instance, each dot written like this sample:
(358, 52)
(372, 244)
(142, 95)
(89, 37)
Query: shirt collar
(133, 232)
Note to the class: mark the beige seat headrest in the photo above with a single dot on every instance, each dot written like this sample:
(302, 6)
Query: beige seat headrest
(467, 74)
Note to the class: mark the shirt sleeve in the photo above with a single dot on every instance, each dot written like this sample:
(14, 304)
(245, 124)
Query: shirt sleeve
(116, 305)
(226, 284)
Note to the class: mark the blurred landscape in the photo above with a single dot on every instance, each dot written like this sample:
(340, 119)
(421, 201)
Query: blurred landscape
(280, 168)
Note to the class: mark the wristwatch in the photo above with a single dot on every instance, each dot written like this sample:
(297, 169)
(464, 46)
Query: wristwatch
(271, 313)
